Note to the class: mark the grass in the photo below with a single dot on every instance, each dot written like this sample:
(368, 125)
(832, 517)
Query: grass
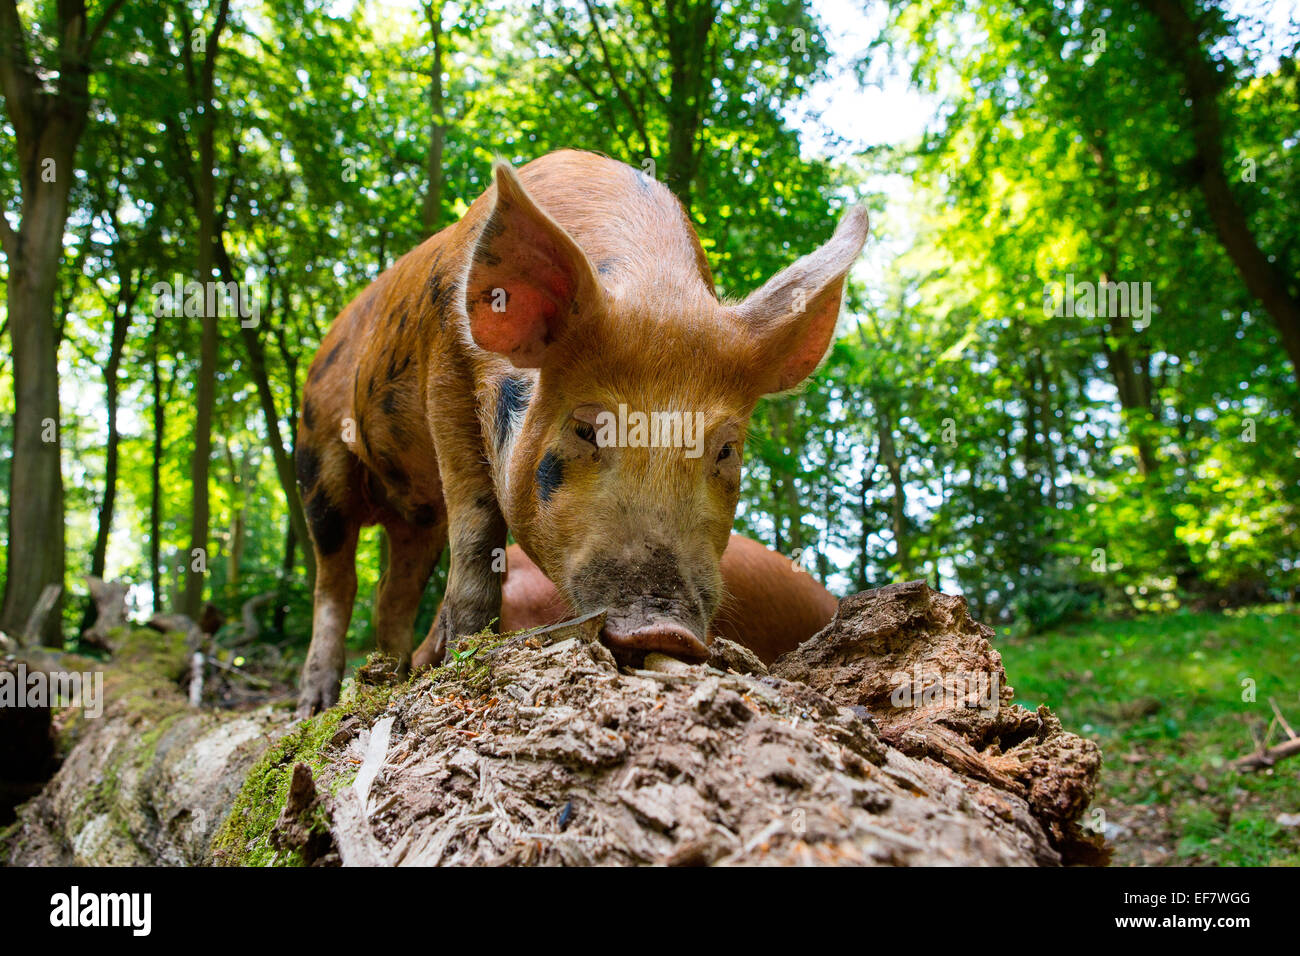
(1171, 699)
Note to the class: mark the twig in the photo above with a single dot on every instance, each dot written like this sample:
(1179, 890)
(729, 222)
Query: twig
(1280, 719)
(1264, 758)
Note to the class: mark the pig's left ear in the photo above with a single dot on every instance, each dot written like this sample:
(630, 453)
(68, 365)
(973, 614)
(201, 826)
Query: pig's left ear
(527, 278)
(793, 315)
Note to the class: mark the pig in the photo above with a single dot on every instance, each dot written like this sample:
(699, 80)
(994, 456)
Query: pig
(467, 393)
(768, 605)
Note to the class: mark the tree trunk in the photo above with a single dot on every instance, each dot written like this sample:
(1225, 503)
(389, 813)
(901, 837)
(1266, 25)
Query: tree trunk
(283, 459)
(35, 525)
(541, 749)
(432, 209)
(206, 212)
(120, 326)
(155, 474)
(898, 502)
(688, 26)
(48, 115)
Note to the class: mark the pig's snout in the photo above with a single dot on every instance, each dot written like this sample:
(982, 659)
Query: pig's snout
(649, 603)
(664, 636)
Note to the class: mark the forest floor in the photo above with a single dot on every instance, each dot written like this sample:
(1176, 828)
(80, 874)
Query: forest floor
(1163, 697)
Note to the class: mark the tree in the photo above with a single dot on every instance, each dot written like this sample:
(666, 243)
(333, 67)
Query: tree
(48, 118)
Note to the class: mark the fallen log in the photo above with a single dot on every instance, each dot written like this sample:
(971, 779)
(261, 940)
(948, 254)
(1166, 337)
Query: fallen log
(539, 748)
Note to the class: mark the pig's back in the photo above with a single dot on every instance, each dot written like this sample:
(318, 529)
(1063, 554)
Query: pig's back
(770, 607)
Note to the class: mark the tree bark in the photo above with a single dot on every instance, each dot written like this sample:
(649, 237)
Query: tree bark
(541, 749)
(688, 24)
(283, 459)
(432, 209)
(121, 324)
(206, 213)
(48, 120)
(155, 472)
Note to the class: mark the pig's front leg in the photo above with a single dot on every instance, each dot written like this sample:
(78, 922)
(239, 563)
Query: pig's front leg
(477, 536)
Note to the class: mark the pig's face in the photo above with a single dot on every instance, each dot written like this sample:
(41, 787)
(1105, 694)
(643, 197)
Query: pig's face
(624, 474)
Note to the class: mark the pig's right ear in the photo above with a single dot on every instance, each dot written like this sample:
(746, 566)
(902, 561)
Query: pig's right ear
(792, 317)
(528, 280)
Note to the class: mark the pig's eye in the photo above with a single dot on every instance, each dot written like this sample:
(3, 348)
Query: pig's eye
(586, 431)
(725, 452)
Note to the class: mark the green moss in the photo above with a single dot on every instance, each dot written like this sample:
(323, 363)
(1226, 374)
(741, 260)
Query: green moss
(244, 837)
(469, 661)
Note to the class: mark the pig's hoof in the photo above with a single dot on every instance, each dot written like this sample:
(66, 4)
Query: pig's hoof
(671, 639)
(316, 696)
(428, 654)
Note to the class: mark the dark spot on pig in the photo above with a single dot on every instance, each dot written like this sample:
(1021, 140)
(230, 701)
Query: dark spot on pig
(395, 370)
(495, 224)
(389, 402)
(606, 266)
(321, 364)
(401, 323)
(307, 467)
(492, 229)
(425, 516)
(512, 398)
(439, 288)
(550, 475)
(480, 544)
(308, 416)
(328, 528)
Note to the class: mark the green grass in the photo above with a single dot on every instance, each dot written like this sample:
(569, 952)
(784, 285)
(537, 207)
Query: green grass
(1167, 698)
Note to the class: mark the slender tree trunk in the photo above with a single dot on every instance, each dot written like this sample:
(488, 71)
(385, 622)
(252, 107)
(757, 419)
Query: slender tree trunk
(864, 502)
(200, 464)
(121, 324)
(432, 209)
(898, 503)
(155, 475)
(284, 469)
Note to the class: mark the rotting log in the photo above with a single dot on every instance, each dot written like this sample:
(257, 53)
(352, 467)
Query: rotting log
(539, 748)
